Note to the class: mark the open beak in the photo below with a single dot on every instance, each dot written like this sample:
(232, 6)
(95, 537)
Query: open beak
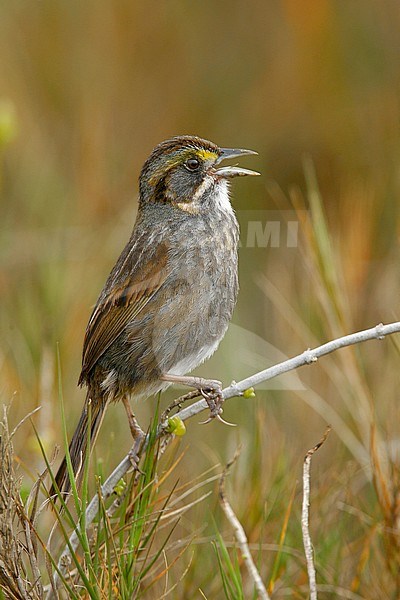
(228, 172)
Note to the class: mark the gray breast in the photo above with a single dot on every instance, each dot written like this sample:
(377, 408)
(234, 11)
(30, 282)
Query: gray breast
(196, 316)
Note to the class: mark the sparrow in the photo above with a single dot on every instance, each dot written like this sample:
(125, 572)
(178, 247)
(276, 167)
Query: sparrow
(168, 301)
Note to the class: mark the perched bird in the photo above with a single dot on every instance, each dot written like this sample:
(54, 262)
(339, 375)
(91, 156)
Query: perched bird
(168, 301)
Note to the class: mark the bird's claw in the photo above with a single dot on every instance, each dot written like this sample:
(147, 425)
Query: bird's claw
(206, 421)
(219, 418)
(134, 460)
(214, 399)
(225, 422)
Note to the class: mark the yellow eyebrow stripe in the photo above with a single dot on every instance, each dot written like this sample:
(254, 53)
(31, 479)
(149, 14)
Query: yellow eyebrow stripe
(206, 154)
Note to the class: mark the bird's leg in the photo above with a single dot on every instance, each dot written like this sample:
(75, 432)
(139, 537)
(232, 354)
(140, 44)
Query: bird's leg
(210, 389)
(137, 433)
(136, 430)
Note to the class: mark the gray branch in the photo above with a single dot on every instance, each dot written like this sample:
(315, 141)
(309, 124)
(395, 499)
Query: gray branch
(308, 357)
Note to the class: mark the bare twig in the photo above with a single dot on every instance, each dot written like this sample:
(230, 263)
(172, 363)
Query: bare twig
(308, 357)
(240, 533)
(305, 513)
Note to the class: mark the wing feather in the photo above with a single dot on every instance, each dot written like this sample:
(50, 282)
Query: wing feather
(122, 303)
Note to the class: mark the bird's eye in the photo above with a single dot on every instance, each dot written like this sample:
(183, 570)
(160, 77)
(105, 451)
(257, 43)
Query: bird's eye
(192, 164)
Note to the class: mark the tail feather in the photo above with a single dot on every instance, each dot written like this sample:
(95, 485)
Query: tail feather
(93, 409)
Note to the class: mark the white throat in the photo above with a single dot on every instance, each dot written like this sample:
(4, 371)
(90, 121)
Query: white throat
(221, 198)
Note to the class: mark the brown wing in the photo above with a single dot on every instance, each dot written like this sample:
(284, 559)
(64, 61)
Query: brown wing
(121, 304)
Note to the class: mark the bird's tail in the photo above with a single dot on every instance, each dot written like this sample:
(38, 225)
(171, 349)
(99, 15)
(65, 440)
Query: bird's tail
(92, 413)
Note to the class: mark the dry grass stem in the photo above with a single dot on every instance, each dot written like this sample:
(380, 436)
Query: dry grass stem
(305, 514)
(18, 542)
(240, 534)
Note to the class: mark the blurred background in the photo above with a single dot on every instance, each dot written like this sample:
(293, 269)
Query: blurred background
(87, 89)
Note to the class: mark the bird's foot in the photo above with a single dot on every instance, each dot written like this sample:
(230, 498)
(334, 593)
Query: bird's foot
(135, 453)
(210, 389)
(212, 394)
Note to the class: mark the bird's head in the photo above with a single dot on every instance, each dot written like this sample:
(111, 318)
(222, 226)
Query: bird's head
(184, 171)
